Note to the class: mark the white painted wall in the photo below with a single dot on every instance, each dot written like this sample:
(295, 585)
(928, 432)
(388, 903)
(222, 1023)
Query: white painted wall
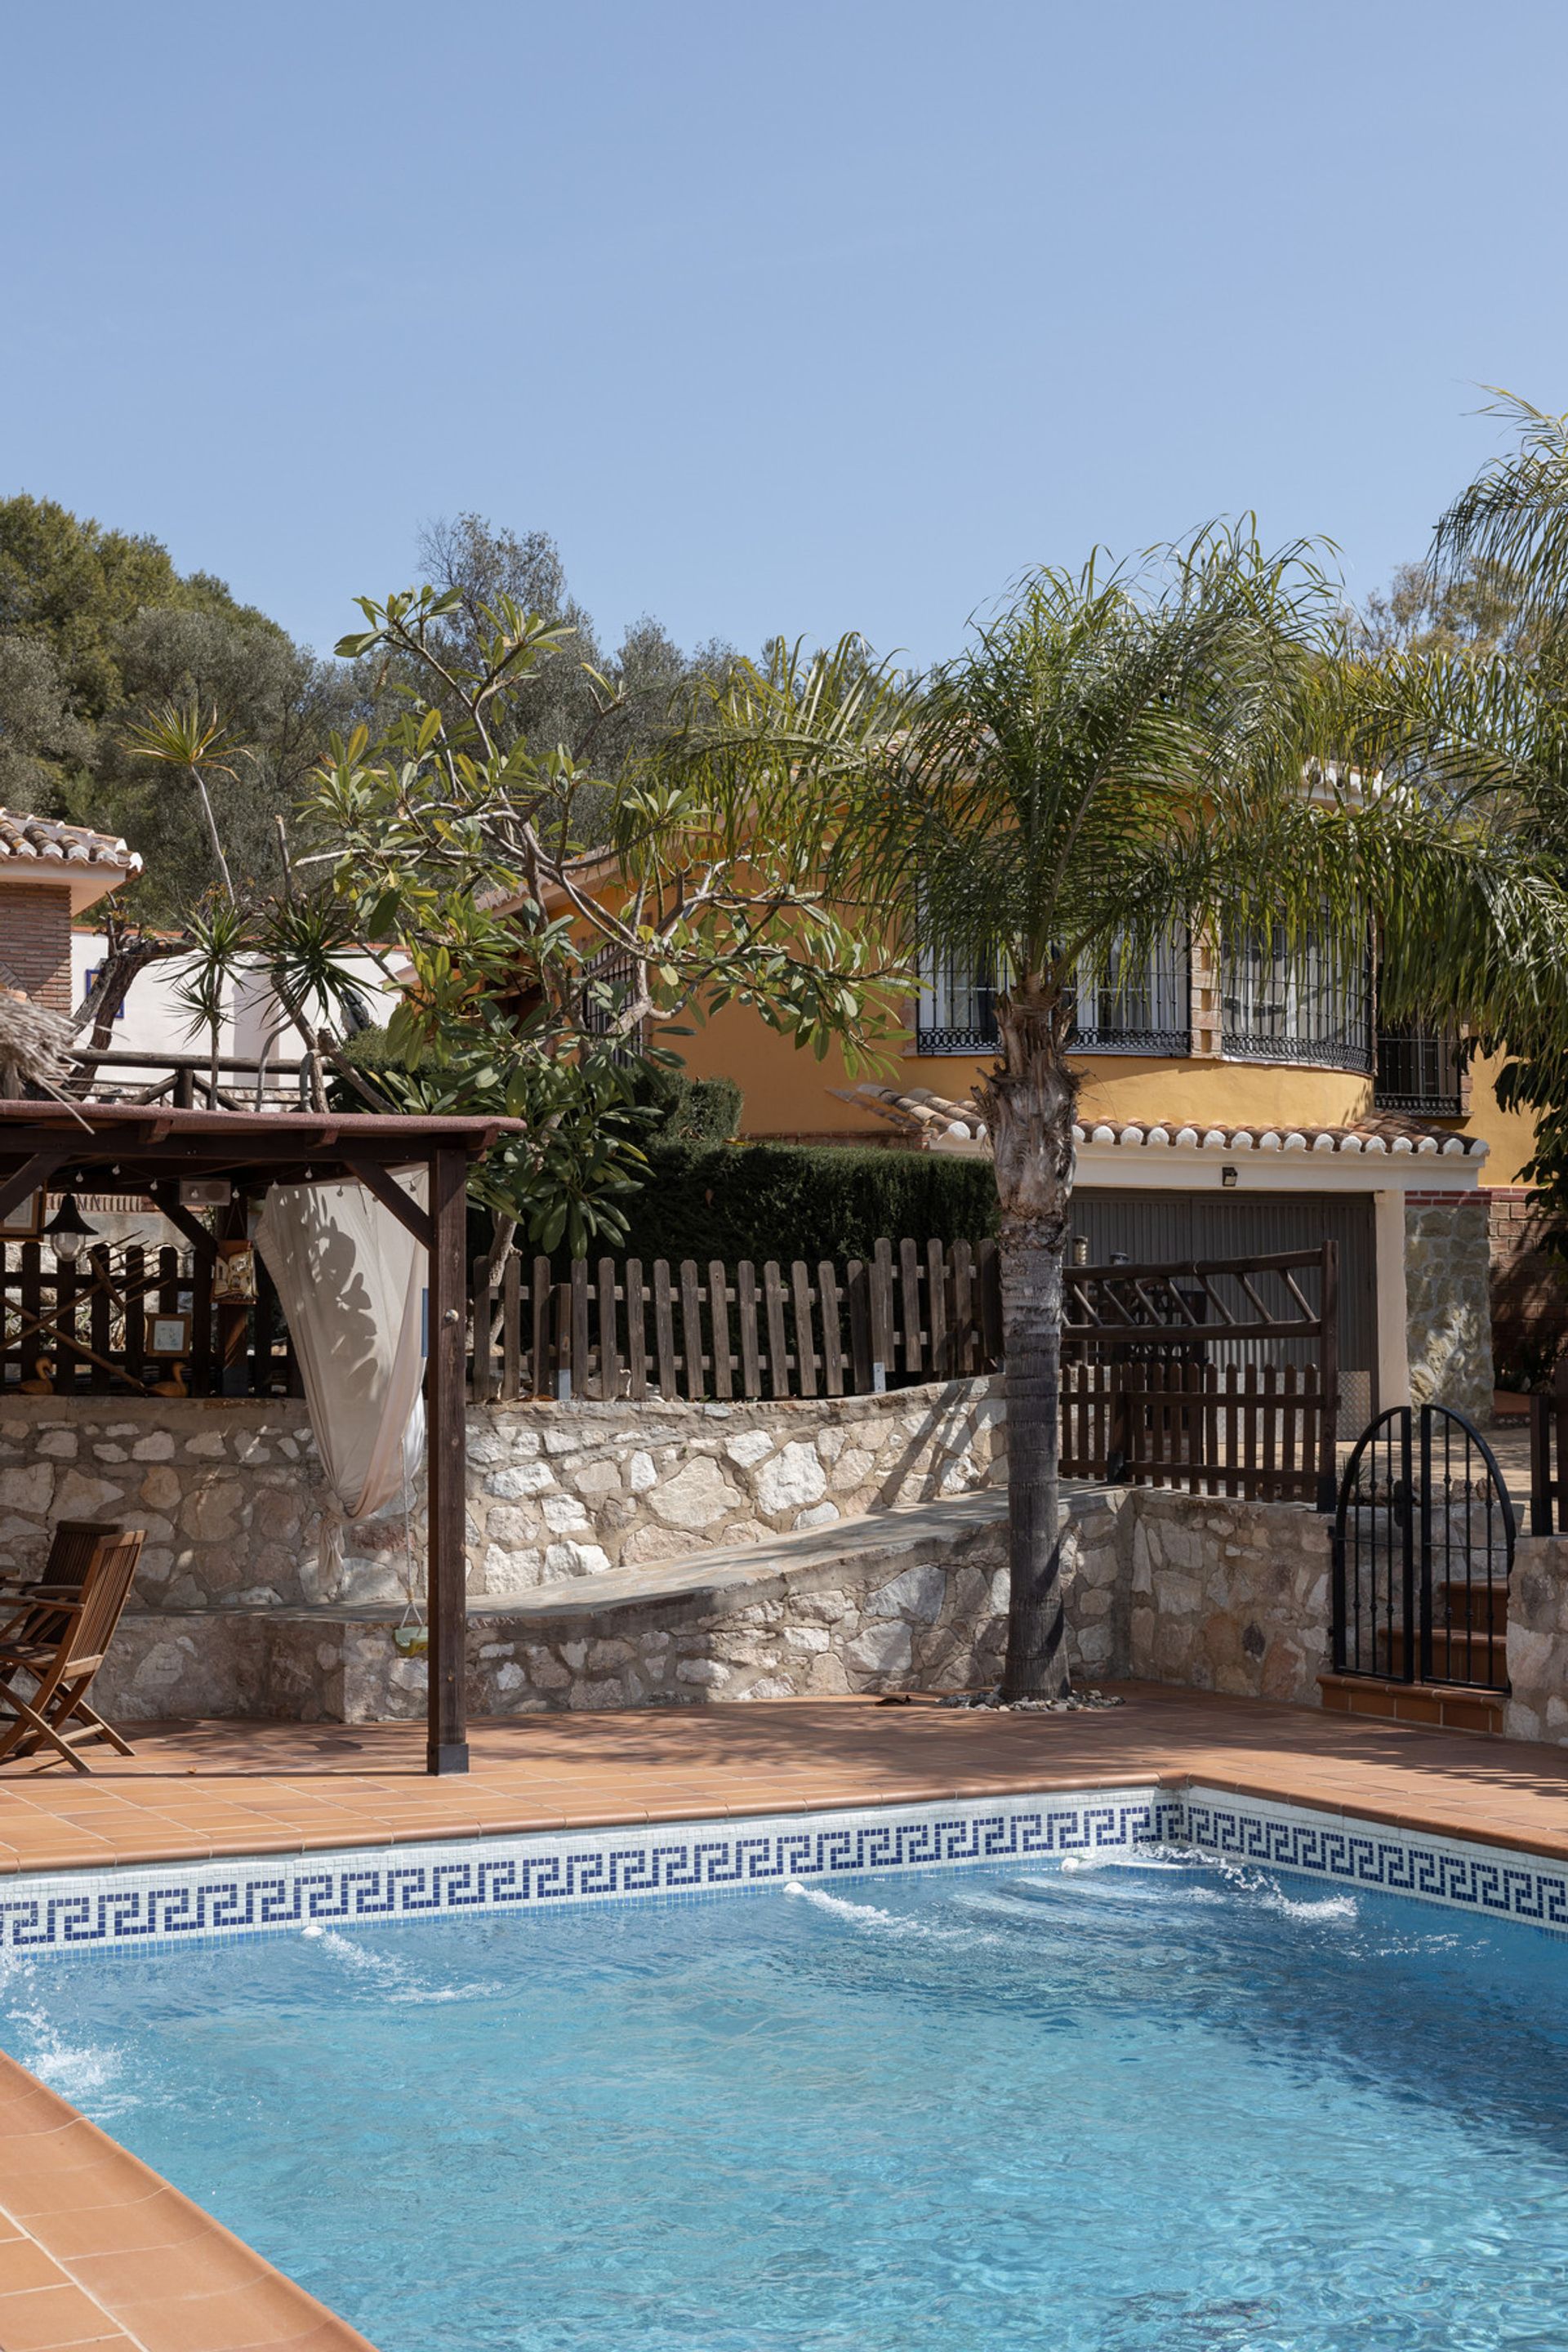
(154, 1022)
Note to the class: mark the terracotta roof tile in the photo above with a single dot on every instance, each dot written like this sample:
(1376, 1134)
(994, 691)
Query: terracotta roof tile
(51, 842)
(937, 1121)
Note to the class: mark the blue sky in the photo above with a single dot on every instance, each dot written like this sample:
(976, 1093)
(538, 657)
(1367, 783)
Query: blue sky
(797, 317)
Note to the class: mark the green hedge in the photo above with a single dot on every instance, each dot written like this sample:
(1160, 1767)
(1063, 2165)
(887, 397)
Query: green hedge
(786, 1201)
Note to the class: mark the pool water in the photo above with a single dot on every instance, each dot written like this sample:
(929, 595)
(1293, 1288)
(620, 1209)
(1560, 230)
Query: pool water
(1168, 2108)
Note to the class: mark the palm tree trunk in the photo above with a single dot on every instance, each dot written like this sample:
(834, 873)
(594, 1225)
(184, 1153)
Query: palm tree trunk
(1029, 1101)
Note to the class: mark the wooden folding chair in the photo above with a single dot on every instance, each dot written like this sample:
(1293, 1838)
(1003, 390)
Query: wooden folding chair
(62, 1663)
(72, 1544)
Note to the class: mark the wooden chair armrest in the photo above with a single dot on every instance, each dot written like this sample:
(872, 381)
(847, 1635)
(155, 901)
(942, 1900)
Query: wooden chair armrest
(72, 1608)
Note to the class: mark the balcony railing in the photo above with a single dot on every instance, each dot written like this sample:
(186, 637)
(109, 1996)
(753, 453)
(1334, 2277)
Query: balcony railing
(1307, 1005)
(1420, 1072)
(1142, 1006)
(1127, 1008)
(185, 1081)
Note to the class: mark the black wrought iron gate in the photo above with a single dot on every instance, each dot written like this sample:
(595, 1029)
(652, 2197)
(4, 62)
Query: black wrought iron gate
(1423, 1548)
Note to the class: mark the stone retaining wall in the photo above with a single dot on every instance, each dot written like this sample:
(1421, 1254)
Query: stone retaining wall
(1228, 1595)
(1537, 1703)
(1173, 1586)
(596, 1522)
(231, 1495)
(925, 1609)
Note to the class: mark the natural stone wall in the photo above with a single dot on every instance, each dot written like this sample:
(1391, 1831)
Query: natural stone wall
(1229, 1596)
(1174, 1587)
(1537, 1706)
(231, 1495)
(566, 1491)
(916, 1600)
(1448, 1290)
(607, 1545)
(912, 1599)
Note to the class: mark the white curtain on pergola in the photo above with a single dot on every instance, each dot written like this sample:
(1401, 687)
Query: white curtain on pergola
(352, 1281)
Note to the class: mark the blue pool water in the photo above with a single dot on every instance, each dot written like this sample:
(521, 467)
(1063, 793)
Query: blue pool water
(1165, 2108)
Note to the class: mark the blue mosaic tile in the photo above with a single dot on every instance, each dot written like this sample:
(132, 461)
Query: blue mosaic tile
(123, 1909)
(1491, 1880)
(127, 1910)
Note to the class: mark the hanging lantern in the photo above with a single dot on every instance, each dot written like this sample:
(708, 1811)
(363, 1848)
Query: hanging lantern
(67, 1235)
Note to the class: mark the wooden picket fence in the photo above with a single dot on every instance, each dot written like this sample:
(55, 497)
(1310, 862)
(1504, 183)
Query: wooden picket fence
(714, 1332)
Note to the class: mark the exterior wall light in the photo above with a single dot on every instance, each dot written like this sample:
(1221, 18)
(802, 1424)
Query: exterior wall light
(67, 1234)
(1227, 1177)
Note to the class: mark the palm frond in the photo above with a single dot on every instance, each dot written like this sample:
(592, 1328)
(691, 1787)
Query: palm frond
(1513, 517)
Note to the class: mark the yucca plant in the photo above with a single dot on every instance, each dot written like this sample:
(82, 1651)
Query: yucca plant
(197, 746)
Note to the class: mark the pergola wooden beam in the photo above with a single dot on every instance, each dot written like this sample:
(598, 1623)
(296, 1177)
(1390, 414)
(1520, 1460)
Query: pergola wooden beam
(143, 1149)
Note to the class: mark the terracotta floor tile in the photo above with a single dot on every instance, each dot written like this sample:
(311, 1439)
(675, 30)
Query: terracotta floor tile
(161, 2218)
(42, 2318)
(25, 2265)
(266, 2311)
(209, 2264)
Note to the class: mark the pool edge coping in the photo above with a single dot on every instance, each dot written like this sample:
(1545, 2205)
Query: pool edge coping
(76, 2171)
(1262, 1789)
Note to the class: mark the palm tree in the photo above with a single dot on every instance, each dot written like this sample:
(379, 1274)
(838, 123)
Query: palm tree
(1122, 752)
(1099, 767)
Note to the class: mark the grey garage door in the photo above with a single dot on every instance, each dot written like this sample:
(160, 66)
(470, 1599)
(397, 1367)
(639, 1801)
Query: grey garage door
(1155, 1227)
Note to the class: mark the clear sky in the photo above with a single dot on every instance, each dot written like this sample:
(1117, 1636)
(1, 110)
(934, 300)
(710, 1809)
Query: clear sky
(794, 317)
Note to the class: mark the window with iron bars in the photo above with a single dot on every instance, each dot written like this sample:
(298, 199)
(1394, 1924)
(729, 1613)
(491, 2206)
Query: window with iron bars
(1420, 1071)
(1133, 1005)
(1310, 1003)
(613, 972)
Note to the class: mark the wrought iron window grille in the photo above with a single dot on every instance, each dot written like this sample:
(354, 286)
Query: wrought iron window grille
(1312, 1005)
(1132, 1009)
(1420, 1071)
(613, 971)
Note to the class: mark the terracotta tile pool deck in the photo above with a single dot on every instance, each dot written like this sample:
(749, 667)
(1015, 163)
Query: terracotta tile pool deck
(97, 2250)
(195, 1790)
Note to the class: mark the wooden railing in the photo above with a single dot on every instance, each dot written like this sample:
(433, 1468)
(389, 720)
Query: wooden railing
(1158, 1388)
(716, 1331)
(1259, 1431)
(116, 1074)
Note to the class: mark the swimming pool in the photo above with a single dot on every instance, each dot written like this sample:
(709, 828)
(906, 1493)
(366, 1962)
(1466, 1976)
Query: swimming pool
(1141, 2103)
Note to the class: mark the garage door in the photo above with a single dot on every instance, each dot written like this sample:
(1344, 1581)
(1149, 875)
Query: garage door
(1154, 1227)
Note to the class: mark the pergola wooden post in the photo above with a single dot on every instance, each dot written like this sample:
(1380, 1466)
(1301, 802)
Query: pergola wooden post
(446, 1453)
(145, 1149)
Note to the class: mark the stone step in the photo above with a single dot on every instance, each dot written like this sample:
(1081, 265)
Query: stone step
(1460, 1653)
(1450, 1707)
(1482, 1606)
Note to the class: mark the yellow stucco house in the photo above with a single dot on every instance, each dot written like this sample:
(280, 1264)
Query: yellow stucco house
(1229, 1105)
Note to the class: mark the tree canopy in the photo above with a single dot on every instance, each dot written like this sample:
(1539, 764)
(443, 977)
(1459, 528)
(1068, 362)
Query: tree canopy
(99, 631)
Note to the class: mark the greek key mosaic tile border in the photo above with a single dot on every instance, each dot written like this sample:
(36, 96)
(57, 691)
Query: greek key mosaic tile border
(1488, 1881)
(205, 1901)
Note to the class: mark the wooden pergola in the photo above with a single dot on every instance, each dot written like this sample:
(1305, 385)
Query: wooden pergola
(147, 1149)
